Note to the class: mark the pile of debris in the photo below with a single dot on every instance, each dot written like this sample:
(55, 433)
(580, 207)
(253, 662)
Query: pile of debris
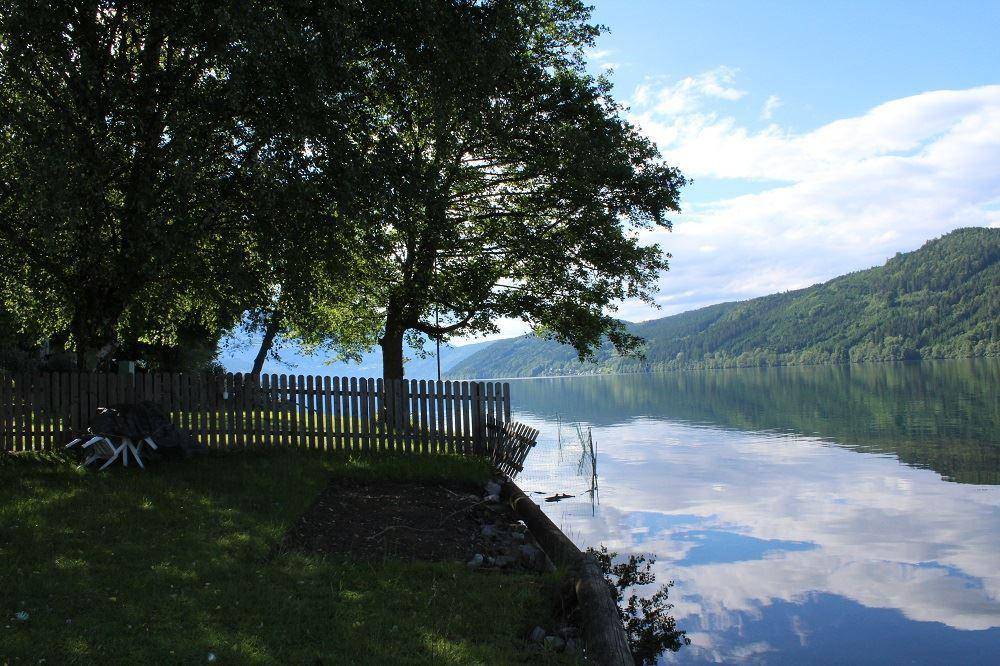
(128, 430)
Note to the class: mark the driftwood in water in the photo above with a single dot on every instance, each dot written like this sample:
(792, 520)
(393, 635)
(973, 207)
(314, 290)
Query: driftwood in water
(602, 626)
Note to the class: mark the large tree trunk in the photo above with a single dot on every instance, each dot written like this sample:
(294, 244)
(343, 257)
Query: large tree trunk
(392, 353)
(397, 415)
(270, 332)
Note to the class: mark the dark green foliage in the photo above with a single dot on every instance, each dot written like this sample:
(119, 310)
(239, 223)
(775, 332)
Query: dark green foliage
(507, 181)
(941, 301)
(651, 630)
(120, 137)
(154, 175)
(341, 174)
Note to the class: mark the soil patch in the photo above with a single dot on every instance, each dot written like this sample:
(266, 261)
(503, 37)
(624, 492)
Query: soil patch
(412, 521)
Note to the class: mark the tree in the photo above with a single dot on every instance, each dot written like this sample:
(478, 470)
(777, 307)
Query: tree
(149, 153)
(118, 139)
(506, 181)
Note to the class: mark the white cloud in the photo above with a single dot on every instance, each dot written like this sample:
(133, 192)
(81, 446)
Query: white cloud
(770, 106)
(601, 59)
(842, 197)
(599, 54)
(689, 93)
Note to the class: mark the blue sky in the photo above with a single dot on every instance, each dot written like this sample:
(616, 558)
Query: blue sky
(822, 137)
(825, 60)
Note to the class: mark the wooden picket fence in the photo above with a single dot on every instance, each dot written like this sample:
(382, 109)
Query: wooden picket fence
(42, 412)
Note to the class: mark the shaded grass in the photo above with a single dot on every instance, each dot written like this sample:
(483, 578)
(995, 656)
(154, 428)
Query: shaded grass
(177, 562)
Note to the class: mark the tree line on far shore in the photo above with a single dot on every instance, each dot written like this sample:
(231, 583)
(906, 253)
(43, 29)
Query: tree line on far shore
(342, 175)
(940, 301)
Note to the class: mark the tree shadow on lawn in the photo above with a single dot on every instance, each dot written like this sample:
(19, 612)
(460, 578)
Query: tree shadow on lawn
(172, 564)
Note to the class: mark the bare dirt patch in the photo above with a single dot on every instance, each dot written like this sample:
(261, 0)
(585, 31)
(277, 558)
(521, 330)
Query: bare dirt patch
(412, 521)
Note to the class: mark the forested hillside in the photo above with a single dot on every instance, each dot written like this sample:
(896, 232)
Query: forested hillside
(941, 301)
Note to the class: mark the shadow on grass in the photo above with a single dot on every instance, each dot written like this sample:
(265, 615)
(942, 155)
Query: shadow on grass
(171, 564)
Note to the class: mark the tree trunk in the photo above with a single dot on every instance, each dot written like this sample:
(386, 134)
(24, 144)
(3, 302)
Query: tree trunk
(392, 354)
(270, 332)
(397, 415)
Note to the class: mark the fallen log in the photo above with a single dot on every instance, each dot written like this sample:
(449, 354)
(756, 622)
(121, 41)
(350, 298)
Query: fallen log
(602, 627)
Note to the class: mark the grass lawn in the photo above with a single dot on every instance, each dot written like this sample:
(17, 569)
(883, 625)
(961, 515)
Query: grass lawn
(178, 562)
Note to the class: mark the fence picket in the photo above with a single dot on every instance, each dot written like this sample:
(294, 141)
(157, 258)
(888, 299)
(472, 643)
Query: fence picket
(359, 403)
(300, 412)
(398, 409)
(431, 424)
(327, 414)
(273, 438)
(411, 415)
(374, 415)
(364, 391)
(309, 436)
(238, 411)
(39, 413)
(420, 414)
(217, 400)
(15, 416)
(262, 405)
(317, 414)
(355, 414)
(490, 416)
(336, 423)
(70, 409)
(5, 393)
(183, 399)
(464, 395)
(250, 412)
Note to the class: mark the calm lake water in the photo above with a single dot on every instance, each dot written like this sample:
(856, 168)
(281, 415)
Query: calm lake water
(807, 515)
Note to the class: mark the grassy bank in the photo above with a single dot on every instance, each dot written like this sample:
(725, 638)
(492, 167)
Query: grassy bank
(180, 561)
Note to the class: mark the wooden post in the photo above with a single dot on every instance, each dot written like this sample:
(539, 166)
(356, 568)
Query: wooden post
(603, 631)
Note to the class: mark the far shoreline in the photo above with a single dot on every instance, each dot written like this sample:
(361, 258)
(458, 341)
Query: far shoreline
(655, 371)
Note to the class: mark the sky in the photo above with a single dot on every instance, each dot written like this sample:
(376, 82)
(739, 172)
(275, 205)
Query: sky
(821, 138)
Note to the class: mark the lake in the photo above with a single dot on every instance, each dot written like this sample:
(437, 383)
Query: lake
(826, 514)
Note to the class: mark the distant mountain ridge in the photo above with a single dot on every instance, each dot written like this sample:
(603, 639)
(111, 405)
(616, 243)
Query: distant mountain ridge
(940, 301)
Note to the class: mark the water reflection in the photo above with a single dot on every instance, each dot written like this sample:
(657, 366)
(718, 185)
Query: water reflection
(791, 527)
(939, 415)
